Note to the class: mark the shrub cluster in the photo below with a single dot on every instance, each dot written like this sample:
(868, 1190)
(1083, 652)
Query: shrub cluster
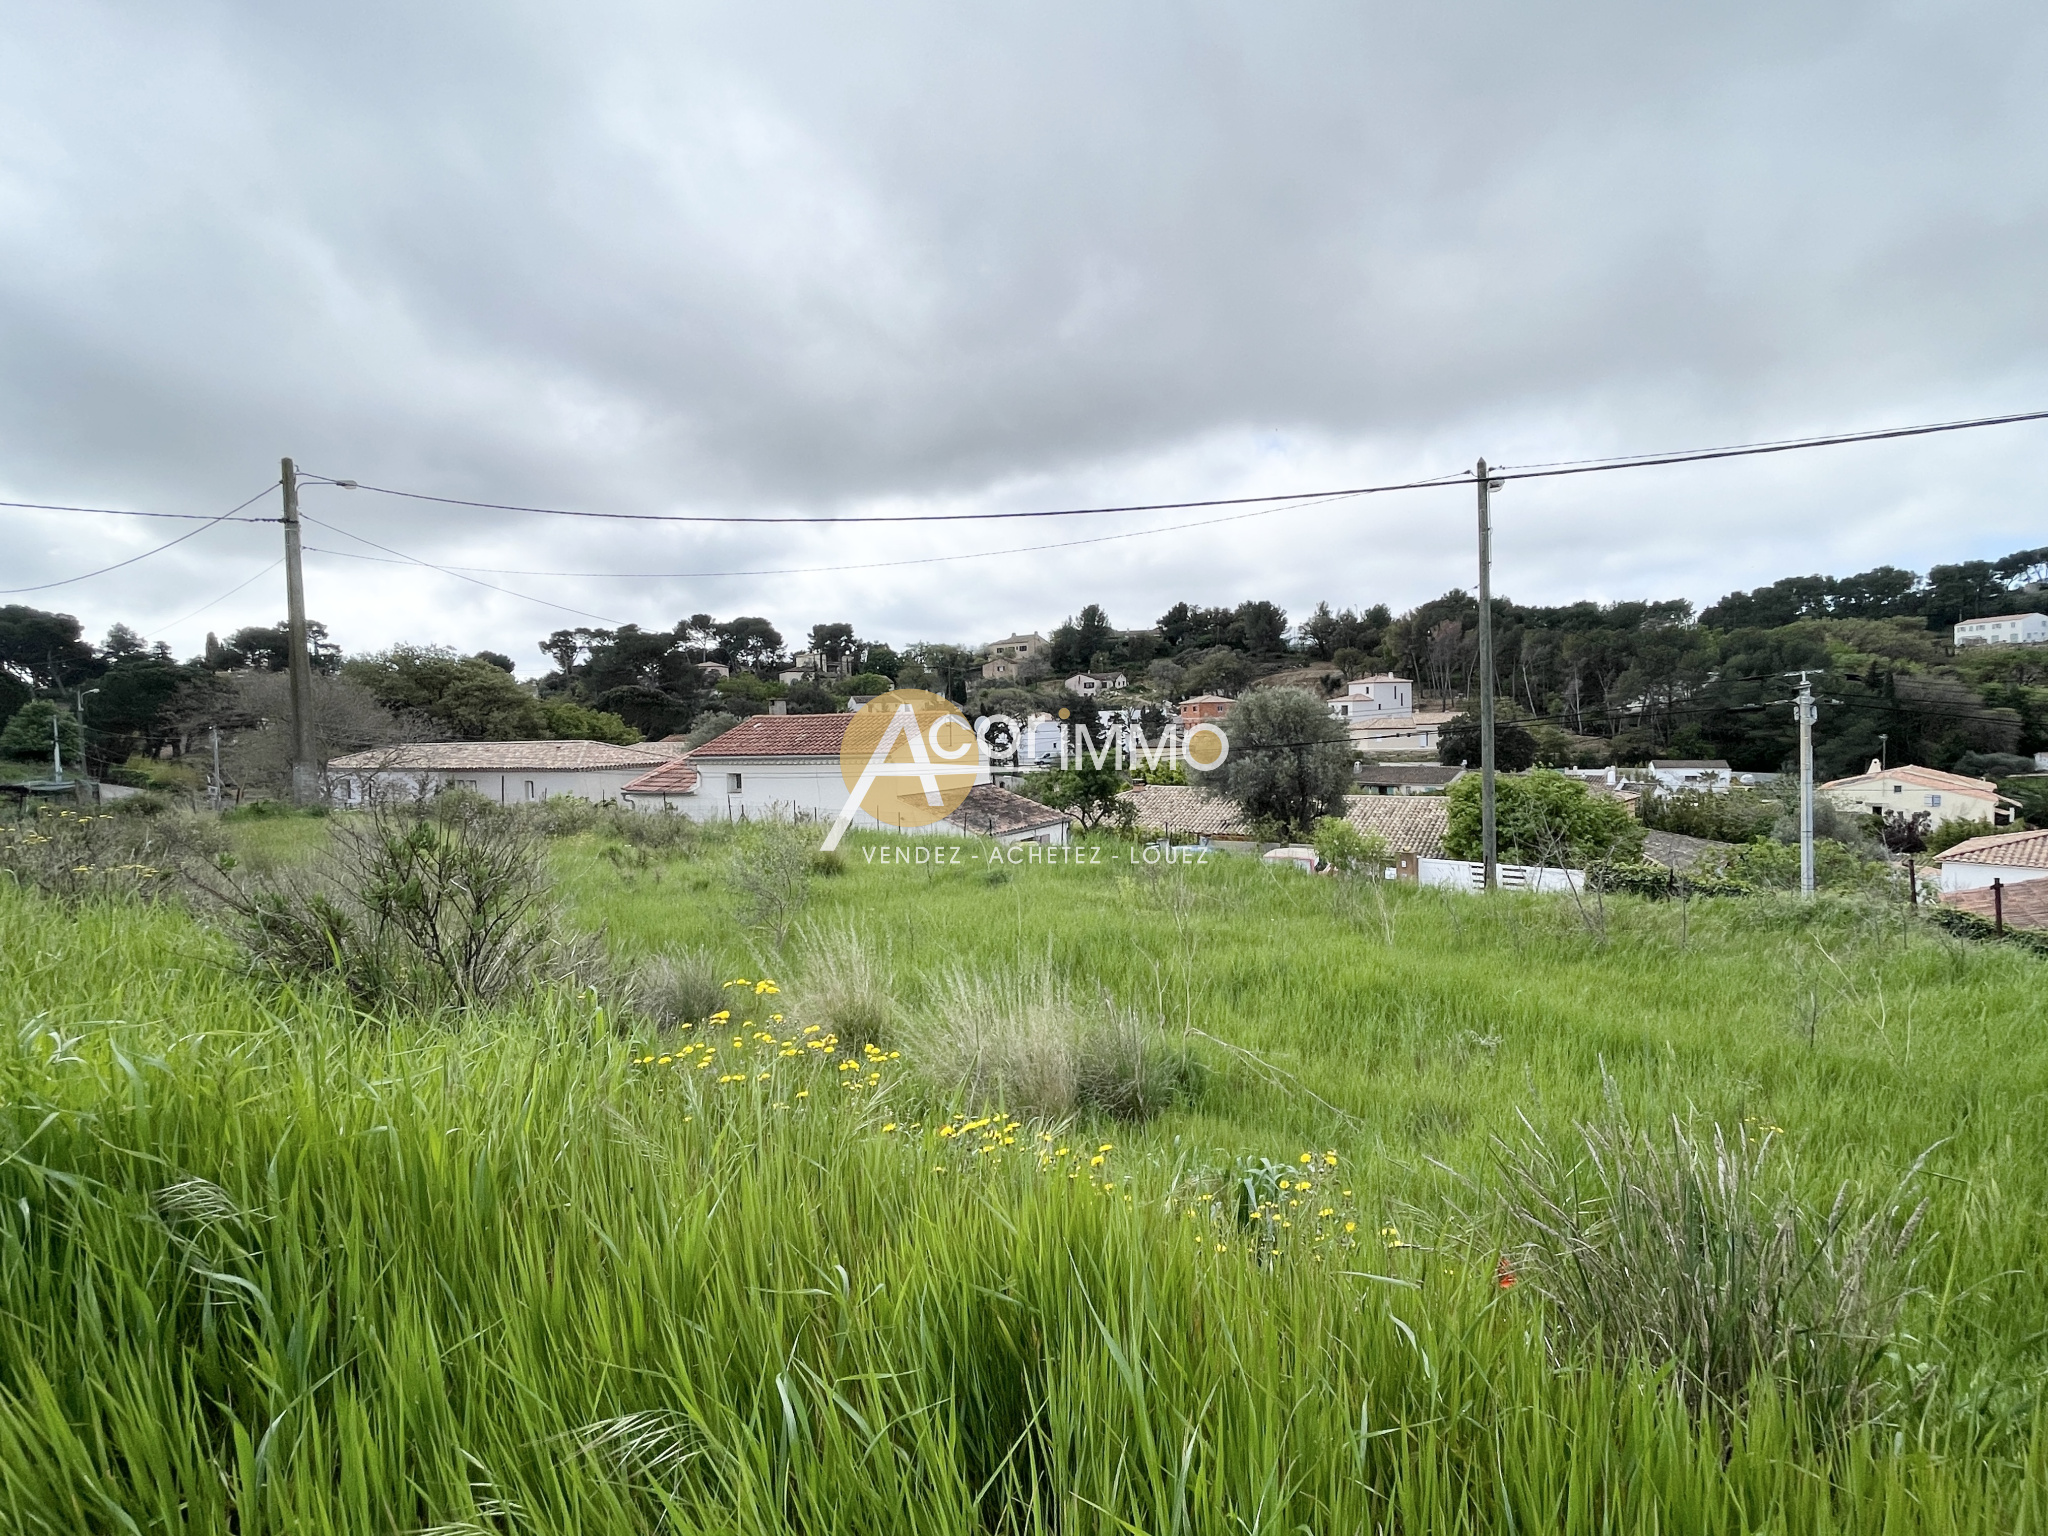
(1023, 1044)
(1659, 882)
(425, 905)
(1691, 1252)
(74, 853)
(1734, 816)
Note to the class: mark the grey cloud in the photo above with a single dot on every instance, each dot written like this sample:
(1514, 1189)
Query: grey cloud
(749, 258)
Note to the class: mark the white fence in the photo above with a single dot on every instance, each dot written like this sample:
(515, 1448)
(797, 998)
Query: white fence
(1457, 875)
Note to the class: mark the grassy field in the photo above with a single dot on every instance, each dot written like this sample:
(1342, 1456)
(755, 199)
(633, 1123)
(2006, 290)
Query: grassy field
(268, 1267)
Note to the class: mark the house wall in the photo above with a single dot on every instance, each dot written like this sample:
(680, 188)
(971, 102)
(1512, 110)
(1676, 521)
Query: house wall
(2012, 629)
(1888, 794)
(1957, 875)
(507, 787)
(1715, 779)
(798, 788)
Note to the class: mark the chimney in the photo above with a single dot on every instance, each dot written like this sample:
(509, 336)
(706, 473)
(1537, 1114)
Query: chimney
(778, 707)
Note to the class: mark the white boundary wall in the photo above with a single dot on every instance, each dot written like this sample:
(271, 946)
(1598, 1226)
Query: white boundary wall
(1458, 875)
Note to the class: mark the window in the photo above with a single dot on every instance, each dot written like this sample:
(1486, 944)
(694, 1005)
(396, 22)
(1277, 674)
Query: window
(1898, 789)
(732, 783)
(1934, 799)
(529, 791)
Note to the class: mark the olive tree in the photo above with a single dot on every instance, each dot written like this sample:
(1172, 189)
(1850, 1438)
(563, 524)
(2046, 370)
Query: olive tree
(1289, 763)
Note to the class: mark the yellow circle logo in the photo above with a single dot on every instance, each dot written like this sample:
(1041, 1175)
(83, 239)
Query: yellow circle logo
(909, 758)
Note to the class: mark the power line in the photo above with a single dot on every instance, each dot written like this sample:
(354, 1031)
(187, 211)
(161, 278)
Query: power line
(458, 575)
(163, 629)
(907, 517)
(189, 517)
(832, 570)
(1753, 450)
(1463, 477)
(132, 559)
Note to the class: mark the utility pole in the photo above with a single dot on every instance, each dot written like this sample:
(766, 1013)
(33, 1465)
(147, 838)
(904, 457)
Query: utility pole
(56, 746)
(1489, 845)
(1804, 704)
(305, 756)
(216, 767)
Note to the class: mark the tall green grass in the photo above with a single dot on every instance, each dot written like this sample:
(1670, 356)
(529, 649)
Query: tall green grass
(266, 1267)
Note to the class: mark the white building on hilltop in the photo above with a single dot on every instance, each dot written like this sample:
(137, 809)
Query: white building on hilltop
(2004, 629)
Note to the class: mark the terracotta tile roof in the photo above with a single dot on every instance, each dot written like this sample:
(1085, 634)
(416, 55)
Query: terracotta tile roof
(1183, 808)
(780, 736)
(1926, 778)
(991, 811)
(1406, 823)
(497, 757)
(2026, 904)
(671, 778)
(2021, 850)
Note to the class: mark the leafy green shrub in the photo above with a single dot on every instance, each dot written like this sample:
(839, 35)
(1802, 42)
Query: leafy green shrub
(1692, 1254)
(28, 734)
(1736, 816)
(1542, 817)
(1659, 881)
(1944, 837)
(1769, 866)
(1347, 850)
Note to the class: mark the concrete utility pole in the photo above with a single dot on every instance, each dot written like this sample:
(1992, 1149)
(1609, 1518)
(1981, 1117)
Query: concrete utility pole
(56, 746)
(216, 766)
(1804, 704)
(305, 756)
(1489, 844)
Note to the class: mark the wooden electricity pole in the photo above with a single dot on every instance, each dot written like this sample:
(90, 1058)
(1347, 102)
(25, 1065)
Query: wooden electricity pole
(1490, 848)
(305, 754)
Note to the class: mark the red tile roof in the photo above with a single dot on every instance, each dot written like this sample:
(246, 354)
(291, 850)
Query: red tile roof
(2025, 904)
(780, 736)
(676, 778)
(2021, 850)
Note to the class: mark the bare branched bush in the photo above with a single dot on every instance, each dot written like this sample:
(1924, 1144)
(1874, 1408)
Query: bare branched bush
(770, 872)
(421, 904)
(1693, 1254)
(1023, 1043)
(844, 987)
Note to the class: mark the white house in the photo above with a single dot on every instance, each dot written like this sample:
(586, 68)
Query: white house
(767, 766)
(1909, 790)
(1375, 698)
(2010, 857)
(1085, 683)
(2004, 629)
(1708, 773)
(1379, 712)
(508, 772)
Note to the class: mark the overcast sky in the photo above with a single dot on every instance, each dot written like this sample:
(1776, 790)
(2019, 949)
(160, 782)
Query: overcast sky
(824, 259)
